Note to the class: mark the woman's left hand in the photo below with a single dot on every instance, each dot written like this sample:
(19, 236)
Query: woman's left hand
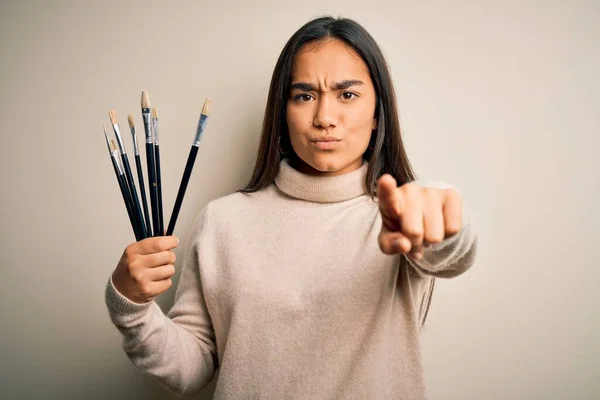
(414, 217)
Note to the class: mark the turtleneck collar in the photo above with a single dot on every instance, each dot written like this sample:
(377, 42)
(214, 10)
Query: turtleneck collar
(329, 189)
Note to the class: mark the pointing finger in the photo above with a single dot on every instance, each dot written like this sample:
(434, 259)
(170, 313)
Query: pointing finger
(388, 196)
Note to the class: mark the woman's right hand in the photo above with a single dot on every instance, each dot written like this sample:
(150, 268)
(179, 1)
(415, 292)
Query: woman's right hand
(145, 268)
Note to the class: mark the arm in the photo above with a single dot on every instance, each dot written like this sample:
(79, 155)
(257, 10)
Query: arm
(179, 348)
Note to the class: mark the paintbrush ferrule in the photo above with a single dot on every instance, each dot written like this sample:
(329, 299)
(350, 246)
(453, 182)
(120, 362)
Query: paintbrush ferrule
(115, 156)
(147, 129)
(200, 129)
(119, 138)
(136, 149)
(155, 131)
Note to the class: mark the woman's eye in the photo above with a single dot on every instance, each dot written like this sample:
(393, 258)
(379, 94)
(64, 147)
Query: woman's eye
(348, 95)
(303, 97)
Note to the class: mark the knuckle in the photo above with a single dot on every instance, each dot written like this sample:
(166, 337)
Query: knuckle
(145, 290)
(137, 276)
(434, 238)
(413, 231)
(157, 245)
(412, 189)
(431, 193)
(171, 269)
(128, 254)
(452, 193)
(454, 196)
(452, 230)
(133, 263)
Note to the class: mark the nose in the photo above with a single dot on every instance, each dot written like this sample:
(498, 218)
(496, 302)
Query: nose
(325, 116)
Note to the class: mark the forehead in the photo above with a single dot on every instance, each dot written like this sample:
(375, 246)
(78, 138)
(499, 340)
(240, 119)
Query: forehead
(328, 59)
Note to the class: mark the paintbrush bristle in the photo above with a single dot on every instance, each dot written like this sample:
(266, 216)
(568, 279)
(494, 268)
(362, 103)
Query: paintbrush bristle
(106, 135)
(206, 107)
(145, 100)
(154, 113)
(113, 145)
(113, 117)
(131, 121)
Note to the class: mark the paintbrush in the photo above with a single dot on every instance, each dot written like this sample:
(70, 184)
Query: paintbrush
(189, 165)
(140, 173)
(130, 182)
(154, 120)
(112, 150)
(150, 163)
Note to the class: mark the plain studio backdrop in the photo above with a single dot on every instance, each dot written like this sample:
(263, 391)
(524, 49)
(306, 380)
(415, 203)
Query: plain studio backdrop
(499, 98)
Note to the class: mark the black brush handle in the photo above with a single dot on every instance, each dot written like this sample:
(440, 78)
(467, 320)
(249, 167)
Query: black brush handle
(187, 173)
(140, 174)
(152, 187)
(135, 202)
(137, 230)
(126, 200)
(161, 224)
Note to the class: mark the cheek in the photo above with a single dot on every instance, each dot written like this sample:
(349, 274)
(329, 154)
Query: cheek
(297, 120)
(292, 118)
(361, 115)
(359, 123)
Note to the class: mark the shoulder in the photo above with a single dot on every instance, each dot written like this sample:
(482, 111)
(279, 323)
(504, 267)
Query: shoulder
(240, 202)
(234, 207)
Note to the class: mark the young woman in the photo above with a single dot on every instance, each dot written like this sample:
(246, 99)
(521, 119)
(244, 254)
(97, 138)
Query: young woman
(314, 281)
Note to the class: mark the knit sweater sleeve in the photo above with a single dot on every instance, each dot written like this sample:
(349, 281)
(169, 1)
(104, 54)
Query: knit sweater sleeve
(455, 254)
(178, 349)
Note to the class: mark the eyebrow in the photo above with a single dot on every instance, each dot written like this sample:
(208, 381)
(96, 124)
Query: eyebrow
(307, 87)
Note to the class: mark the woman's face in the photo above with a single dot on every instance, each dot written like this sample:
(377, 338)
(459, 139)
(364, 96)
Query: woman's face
(331, 107)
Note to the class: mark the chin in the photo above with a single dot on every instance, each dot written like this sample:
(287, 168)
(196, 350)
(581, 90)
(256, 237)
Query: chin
(326, 163)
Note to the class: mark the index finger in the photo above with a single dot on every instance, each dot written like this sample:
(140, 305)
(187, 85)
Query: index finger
(157, 244)
(388, 195)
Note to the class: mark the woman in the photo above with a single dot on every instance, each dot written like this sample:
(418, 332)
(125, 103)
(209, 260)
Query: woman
(312, 282)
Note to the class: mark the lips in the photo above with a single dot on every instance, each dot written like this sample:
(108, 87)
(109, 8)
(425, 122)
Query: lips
(326, 144)
(327, 139)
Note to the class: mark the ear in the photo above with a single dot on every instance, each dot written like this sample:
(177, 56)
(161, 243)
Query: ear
(374, 123)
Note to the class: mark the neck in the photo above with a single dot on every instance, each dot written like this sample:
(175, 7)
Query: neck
(320, 188)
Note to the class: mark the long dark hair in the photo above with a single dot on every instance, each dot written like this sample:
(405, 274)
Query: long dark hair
(386, 153)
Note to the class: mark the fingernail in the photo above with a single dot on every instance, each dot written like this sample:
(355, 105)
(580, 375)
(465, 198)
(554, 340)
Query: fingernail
(418, 255)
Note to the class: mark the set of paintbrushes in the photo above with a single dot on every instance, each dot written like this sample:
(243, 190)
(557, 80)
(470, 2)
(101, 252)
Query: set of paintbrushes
(139, 214)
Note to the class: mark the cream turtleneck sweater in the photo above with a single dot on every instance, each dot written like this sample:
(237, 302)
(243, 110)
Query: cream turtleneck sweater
(286, 291)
